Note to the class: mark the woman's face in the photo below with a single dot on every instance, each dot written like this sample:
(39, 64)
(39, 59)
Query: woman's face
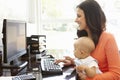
(80, 20)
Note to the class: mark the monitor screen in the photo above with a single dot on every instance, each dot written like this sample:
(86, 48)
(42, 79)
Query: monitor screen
(14, 39)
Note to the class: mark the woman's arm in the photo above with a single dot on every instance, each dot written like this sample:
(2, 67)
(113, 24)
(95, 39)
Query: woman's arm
(111, 67)
(67, 61)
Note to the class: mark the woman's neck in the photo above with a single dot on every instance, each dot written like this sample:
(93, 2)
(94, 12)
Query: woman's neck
(89, 33)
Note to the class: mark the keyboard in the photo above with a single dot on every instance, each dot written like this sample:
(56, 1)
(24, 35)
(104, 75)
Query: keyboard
(24, 77)
(48, 67)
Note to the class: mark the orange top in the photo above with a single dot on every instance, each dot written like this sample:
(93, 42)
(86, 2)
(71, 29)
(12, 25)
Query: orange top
(108, 57)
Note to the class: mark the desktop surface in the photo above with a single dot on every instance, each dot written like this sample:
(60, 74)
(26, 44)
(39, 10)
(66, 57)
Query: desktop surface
(68, 74)
(29, 76)
(39, 76)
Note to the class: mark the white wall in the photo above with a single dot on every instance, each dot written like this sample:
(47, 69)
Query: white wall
(14, 9)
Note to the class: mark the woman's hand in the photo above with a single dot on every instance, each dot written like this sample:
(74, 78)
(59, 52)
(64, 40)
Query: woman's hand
(67, 61)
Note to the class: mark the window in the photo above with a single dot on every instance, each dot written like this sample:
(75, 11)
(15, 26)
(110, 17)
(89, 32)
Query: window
(56, 20)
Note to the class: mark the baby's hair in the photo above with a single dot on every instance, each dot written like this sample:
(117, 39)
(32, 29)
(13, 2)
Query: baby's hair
(85, 43)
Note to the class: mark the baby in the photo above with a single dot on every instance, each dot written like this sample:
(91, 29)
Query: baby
(85, 63)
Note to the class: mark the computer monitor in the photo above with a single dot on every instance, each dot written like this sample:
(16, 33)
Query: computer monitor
(14, 39)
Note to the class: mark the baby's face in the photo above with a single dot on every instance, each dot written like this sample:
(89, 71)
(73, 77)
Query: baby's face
(77, 53)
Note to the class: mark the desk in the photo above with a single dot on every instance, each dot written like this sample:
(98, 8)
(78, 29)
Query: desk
(66, 71)
(38, 75)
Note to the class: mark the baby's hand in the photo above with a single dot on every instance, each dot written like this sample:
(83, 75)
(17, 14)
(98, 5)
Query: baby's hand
(82, 76)
(81, 68)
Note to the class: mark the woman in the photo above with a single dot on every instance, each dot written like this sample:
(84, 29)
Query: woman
(91, 20)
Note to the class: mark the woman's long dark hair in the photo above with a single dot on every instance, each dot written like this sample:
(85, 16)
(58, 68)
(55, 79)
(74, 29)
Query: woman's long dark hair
(95, 19)
(81, 33)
